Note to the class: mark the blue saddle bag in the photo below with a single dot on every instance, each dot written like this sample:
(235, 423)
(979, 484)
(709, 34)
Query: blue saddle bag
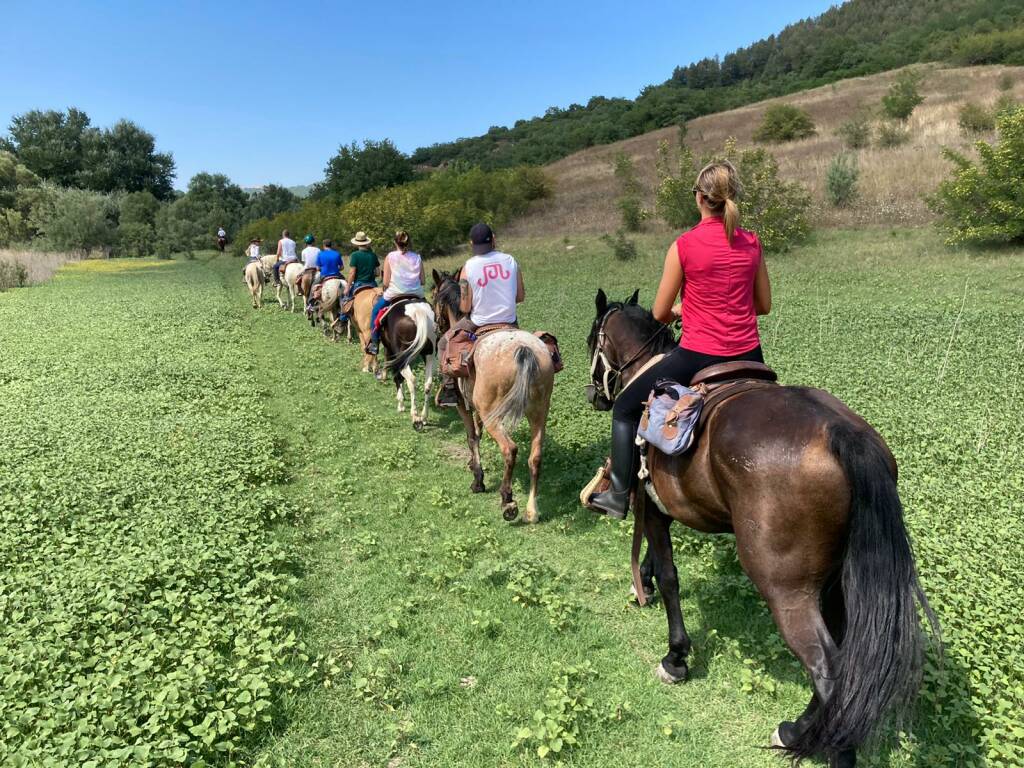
(670, 419)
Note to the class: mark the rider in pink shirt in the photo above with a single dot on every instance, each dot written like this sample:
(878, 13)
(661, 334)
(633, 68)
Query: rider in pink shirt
(718, 272)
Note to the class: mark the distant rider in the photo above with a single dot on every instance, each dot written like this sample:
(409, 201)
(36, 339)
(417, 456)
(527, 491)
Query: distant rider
(285, 254)
(403, 276)
(363, 265)
(222, 238)
(490, 287)
(329, 262)
(309, 257)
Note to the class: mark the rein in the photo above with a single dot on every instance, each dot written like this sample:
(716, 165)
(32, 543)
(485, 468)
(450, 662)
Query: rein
(611, 380)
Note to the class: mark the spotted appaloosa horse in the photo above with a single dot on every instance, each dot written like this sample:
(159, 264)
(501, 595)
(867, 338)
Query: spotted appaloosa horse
(808, 488)
(513, 377)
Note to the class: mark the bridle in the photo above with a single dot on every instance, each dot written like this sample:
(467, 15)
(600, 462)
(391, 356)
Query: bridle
(610, 383)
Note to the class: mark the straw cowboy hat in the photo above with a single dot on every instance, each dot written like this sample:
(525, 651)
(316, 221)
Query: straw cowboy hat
(361, 239)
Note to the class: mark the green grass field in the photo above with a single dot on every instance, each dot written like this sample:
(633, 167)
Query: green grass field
(175, 461)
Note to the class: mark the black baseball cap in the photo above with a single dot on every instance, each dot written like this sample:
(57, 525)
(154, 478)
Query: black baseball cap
(482, 238)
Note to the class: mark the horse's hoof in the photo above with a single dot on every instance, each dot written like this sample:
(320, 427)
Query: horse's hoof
(510, 512)
(418, 426)
(477, 487)
(667, 677)
(776, 740)
(649, 595)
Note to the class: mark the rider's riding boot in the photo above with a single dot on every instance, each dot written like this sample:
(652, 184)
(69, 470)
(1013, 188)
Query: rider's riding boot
(448, 395)
(615, 501)
(372, 347)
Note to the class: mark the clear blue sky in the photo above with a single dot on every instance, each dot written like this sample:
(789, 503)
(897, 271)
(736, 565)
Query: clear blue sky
(265, 92)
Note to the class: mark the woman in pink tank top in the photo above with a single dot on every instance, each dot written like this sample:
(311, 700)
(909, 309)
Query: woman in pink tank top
(718, 272)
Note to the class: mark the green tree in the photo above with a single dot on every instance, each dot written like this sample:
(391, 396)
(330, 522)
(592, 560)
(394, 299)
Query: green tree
(75, 219)
(855, 133)
(213, 201)
(982, 201)
(784, 122)
(50, 143)
(19, 189)
(270, 201)
(355, 170)
(124, 159)
(137, 223)
(903, 96)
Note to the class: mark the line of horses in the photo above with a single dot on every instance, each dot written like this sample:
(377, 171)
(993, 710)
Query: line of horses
(512, 375)
(807, 487)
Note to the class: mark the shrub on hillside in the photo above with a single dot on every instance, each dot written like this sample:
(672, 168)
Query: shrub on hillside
(982, 201)
(855, 133)
(784, 122)
(13, 274)
(1005, 82)
(974, 118)
(841, 180)
(775, 209)
(622, 247)
(629, 203)
(903, 96)
(438, 211)
(892, 134)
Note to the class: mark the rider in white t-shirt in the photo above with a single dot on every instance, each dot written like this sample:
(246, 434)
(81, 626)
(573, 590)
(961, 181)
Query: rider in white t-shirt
(285, 254)
(491, 285)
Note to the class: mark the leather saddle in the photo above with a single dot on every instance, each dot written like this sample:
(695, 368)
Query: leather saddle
(400, 300)
(723, 381)
(347, 304)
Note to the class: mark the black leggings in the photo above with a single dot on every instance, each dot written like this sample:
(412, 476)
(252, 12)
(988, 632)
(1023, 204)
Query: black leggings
(679, 365)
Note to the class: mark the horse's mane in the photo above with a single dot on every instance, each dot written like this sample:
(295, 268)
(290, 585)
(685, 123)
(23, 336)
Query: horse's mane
(642, 319)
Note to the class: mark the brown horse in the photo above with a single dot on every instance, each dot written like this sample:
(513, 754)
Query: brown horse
(808, 488)
(513, 377)
(360, 319)
(407, 333)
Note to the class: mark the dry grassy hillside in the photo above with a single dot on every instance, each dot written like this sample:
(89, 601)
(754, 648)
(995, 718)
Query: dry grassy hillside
(892, 181)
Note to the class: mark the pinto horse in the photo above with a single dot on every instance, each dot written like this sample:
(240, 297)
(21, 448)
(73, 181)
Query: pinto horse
(808, 488)
(513, 377)
(408, 332)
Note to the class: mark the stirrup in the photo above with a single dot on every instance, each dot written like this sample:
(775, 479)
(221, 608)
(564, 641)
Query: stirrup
(601, 482)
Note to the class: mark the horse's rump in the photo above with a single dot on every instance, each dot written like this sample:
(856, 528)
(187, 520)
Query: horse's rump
(330, 291)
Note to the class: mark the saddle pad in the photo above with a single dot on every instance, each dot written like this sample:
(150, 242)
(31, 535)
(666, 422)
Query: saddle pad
(398, 301)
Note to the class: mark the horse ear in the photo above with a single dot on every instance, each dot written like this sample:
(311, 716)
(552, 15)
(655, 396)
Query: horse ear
(601, 302)
(437, 278)
(633, 299)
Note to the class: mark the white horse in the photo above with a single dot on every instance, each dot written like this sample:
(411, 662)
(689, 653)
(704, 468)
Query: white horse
(255, 279)
(289, 279)
(331, 292)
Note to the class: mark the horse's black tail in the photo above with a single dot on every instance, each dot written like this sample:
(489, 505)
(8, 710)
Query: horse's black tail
(877, 670)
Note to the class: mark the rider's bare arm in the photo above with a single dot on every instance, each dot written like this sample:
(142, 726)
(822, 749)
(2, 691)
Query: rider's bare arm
(668, 289)
(520, 288)
(387, 274)
(762, 290)
(465, 297)
(352, 276)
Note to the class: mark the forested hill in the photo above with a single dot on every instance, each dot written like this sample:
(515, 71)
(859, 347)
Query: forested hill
(857, 38)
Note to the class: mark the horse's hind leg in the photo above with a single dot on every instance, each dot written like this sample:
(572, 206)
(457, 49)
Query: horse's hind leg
(673, 667)
(509, 508)
(473, 441)
(428, 383)
(410, 381)
(538, 424)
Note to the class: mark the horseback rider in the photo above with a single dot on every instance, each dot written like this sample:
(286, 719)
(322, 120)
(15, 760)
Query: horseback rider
(718, 272)
(363, 266)
(329, 262)
(309, 256)
(285, 254)
(222, 238)
(252, 251)
(490, 286)
(403, 276)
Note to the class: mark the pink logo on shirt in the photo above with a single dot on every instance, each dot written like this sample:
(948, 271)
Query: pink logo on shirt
(493, 272)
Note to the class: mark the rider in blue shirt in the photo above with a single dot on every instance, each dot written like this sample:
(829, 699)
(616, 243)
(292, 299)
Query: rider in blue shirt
(329, 262)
